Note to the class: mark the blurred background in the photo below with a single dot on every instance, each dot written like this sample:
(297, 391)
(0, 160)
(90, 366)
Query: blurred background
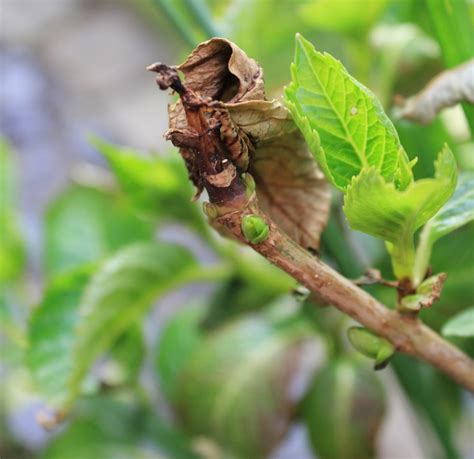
(72, 69)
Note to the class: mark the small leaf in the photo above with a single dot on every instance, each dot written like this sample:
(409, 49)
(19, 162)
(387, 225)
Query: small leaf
(371, 345)
(289, 185)
(342, 121)
(236, 388)
(427, 293)
(377, 208)
(461, 324)
(344, 411)
(458, 211)
(120, 294)
(85, 225)
(445, 90)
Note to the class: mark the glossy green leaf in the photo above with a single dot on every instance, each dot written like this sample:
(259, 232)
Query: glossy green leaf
(461, 324)
(120, 294)
(342, 121)
(85, 225)
(377, 208)
(344, 411)
(12, 251)
(458, 211)
(157, 185)
(236, 388)
(105, 428)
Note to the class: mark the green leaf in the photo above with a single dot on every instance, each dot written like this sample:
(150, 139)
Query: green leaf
(178, 339)
(125, 358)
(344, 410)
(84, 225)
(241, 295)
(377, 208)
(12, 251)
(122, 291)
(51, 334)
(105, 428)
(458, 211)
(342, 121)
(461, 324)
(157, 185)
(12, 330)
(236, 385)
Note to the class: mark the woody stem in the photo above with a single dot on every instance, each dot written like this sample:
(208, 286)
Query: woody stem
(406, 332)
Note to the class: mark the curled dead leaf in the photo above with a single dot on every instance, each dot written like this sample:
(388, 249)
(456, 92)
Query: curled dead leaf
(447, 89)
(260, 136)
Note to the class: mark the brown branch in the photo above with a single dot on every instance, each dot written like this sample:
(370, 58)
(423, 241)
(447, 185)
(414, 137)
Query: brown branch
(406, 332)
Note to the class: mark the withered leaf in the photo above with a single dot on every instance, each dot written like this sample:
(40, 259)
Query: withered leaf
(447, 89)
(427, 293)
(290, 186)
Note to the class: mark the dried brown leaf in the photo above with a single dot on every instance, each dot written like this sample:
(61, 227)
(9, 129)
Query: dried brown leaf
(290, 187)
(261, 137)
(447, 89)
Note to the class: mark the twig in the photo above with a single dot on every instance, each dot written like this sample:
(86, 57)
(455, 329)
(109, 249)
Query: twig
(406, 332)
(231, 202)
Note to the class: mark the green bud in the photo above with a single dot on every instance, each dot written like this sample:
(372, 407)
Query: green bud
(371, 345)
(255, 229)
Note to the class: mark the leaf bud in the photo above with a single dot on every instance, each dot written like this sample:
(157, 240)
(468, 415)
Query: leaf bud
(255, 229)
(371, 345)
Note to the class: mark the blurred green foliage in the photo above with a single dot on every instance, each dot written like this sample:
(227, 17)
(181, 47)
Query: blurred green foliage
(224, 363)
